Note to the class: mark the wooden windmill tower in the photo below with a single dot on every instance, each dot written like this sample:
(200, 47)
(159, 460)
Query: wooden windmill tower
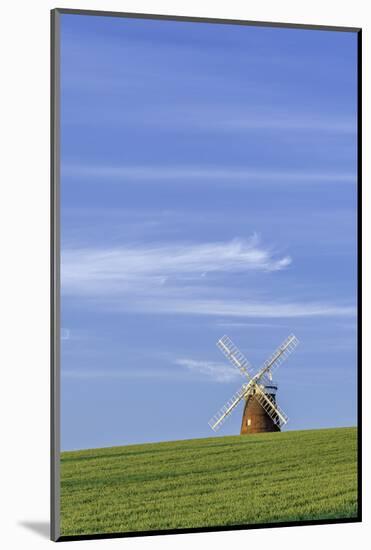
(261, 412)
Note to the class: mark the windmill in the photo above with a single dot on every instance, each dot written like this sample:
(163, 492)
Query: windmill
(261, 412)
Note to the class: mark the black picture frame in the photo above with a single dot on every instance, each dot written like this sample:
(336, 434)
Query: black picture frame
(55, 269)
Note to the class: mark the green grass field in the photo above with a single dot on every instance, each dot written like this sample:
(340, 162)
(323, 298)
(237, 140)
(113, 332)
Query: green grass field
(218, 481)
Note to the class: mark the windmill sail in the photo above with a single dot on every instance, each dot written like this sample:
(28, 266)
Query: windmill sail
(277, 358)
(270, 406)
(232, 353)
(219, 418)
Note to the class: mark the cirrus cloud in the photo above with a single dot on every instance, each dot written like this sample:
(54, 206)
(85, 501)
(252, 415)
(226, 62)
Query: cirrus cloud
(98, 271)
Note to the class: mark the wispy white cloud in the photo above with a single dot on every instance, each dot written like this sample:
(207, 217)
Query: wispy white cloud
(190, 371)
(297, 122)
(247, 308)
(242, 324)
(119, 270)
(218, 372)
(185, 279)
(118, 374)
(206, 174)
(204, 117)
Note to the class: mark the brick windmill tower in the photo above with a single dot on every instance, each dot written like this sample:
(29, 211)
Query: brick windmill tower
(255, 418)
(261, 412)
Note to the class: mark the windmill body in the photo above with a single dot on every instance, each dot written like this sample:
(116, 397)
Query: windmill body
(255, 419)
(261, 411)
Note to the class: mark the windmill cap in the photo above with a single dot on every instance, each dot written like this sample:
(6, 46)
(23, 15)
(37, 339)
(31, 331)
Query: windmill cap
(272, 387)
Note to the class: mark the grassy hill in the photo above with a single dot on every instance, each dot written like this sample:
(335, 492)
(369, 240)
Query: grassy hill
(217, 481)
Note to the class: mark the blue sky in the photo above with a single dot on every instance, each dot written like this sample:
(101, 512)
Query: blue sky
(208, 187)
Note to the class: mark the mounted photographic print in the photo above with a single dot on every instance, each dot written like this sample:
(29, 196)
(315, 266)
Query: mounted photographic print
(205, 274)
